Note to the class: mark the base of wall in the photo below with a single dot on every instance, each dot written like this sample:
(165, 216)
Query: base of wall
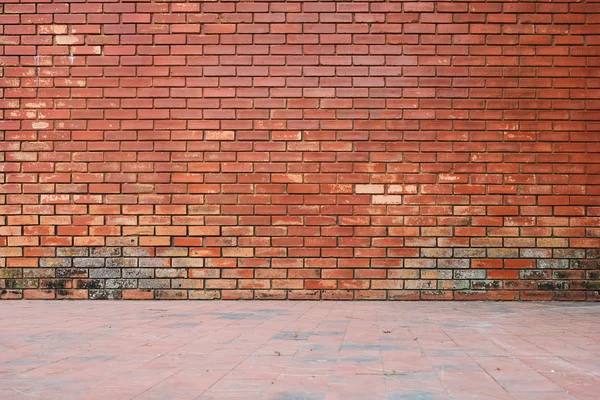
(391, 295)
(95, 273)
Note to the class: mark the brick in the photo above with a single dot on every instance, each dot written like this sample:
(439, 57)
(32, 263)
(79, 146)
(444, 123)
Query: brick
(104, 273)
(553, 264)
(389, 199)
(370, 189)
(88, 262)
(121, 283)
(154, 283)
(138, 294)
(220, 135)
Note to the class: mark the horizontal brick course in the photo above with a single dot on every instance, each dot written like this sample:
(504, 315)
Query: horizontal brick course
(300, 150)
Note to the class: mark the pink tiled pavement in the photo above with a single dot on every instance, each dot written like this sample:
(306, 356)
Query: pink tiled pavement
(299, 350)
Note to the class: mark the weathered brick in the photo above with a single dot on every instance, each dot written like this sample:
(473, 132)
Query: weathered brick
(486, 284)
(121, 262)
(55, 262)
(36, 272)
(21, 283)
(586, 264)
(137, 252)
(104, 273)
(72, 252)
(454, 284)
(154, 262)
(88, 263)
(552, 285)
(188, 283)
(121, 283)
(436, 274)
(470, 253)
(553, 264)
(105, 294)
(137, 273)
(71, 273)
(533, 274)
(535, 253)
(188, 262)
(419, 263)
(89, 283)
(435, 252)
(453, 263)
(204, 294)
(420, 284)
(503, 253)
(568, 253)
(154, 283)
(105, 251)
(470, 274)
(10, 273)
(171, 273)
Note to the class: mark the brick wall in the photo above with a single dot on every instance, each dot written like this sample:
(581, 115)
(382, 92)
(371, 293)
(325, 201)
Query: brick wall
(300, 150)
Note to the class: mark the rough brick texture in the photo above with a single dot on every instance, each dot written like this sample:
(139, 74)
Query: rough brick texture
(300, 150)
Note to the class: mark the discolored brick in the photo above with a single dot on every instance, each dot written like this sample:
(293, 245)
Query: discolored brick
(105, 251)
(121, 262)
(91, 263)
(154, 283)
(121, 283)
(470, 274)
(105, 294)
(72, 252)
(104, 273)
(137, 273)
(55, 262)
(553, 264)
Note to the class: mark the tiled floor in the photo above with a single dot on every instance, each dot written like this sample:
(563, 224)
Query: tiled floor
(299, 350)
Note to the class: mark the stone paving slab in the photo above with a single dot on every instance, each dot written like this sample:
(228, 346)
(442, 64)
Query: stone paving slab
(299, 350)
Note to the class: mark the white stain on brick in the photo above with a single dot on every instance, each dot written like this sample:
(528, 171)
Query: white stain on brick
(35, 105)
(67, 39)
(220, 135)
(52, 29)
(387, 199)
(449, 178)
(369, 189)
(40, 125)
(402, 189)
(75, 82)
